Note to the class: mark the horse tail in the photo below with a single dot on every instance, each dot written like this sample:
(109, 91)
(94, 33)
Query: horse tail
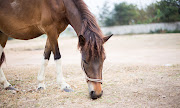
(2, 59)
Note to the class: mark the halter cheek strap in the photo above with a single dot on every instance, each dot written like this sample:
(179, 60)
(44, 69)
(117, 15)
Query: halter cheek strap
(90, 79)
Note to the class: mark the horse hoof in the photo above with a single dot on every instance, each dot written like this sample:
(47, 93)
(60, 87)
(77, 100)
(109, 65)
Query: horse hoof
(11, 88)
(68, 90)
(40, 88)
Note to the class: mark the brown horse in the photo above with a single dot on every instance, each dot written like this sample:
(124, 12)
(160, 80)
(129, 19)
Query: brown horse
(28, 19)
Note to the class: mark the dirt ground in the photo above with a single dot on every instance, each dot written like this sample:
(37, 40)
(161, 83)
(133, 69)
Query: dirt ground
(140, 71)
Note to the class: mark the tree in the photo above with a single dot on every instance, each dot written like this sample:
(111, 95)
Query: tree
(125, 14)
(168, 10)
(152, 13)
(142, 17)
(104, 14)
(122, 14)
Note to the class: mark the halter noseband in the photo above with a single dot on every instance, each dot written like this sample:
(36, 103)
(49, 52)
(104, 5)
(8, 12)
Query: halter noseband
(93, 80)
(90, 79)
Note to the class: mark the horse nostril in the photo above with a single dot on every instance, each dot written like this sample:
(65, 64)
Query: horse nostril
(94, 96)
(92, 92)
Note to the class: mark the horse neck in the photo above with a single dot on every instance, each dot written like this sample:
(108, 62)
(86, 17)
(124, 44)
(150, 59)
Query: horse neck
(73, 15)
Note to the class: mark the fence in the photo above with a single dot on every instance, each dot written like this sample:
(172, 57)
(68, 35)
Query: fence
(141, 28)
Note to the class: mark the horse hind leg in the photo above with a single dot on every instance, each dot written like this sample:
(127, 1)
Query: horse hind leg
(2, 56)
(3, 80)
(3, 40)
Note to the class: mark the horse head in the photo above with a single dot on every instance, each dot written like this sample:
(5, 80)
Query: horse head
(93, 57)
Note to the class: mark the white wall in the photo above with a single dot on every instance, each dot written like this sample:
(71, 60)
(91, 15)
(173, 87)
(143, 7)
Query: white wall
(141, 28)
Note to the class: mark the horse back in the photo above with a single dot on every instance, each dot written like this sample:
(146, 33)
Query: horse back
(26, 17)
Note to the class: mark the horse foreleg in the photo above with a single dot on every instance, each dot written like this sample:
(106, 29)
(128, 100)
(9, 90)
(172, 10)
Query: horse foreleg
(41, 74)
(57, 57)
(45, 60)
(60, 77)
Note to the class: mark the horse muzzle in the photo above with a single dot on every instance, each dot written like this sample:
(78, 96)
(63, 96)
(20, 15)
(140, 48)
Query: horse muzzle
(95, 90)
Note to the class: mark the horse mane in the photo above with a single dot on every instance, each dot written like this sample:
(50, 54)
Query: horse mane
(90, 31)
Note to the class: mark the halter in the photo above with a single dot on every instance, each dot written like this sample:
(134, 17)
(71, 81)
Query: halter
(93, 80)
(90, 79)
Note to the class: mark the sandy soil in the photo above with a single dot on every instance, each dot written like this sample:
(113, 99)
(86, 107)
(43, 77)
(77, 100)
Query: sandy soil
(140, 71)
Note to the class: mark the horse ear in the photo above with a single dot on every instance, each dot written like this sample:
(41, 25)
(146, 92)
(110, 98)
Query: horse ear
(81, 40)
(107, 38)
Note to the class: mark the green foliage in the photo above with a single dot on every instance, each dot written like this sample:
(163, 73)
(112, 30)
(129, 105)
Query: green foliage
(124, 14)
(168, 10)
(103, 16)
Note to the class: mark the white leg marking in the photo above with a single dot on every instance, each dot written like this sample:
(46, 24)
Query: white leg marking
(60, 77)
(41, 74)
(3, 79)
